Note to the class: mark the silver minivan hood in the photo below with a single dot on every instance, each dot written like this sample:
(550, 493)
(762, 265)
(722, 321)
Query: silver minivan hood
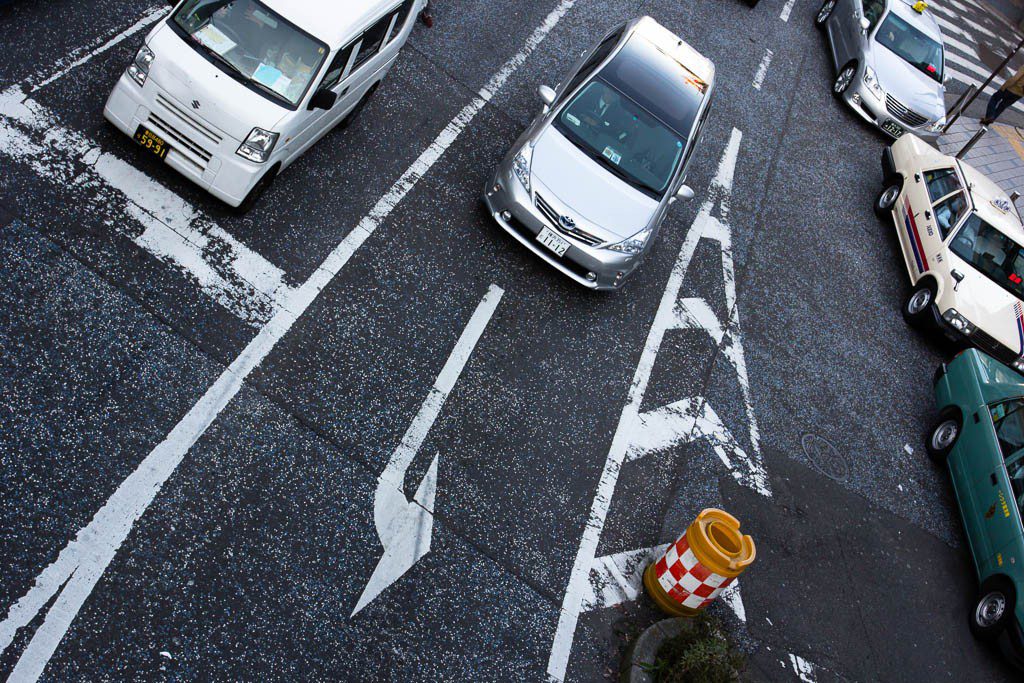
(580, 186)
(224, 103)
(912, 88)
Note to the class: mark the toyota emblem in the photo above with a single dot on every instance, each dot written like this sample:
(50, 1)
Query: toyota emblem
(566, 222)
(195, 104)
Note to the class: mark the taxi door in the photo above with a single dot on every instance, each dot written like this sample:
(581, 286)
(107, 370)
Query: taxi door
(932, 203)
(1002, 490)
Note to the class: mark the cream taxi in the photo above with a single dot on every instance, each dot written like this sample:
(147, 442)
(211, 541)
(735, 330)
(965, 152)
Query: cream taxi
(962, 242)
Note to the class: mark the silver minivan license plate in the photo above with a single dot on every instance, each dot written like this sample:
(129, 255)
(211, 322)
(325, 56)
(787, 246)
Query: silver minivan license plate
(552, 241)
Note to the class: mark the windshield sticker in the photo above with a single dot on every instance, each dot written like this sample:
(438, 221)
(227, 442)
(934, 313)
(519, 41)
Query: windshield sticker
(612, 155)
(572, 119)
(267, 20)
(272, 78)
(215, 39)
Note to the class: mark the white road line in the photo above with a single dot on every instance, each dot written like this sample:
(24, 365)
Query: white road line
(961, 20)
(70, 579)
(77, 58)
(762, 69)
(230, 273)
(640, 433)
(804, 670)
(405, 526)
(787, 9)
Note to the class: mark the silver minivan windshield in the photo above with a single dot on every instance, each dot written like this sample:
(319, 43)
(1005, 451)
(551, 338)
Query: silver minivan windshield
(622, 136)
(912, 46)
(992, 253)
(254, 44)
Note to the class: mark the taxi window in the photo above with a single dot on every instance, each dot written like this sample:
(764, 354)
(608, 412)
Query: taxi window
(941, 182)
(1015, 471)
(873, 10)
(1008, 418)
(949, 211)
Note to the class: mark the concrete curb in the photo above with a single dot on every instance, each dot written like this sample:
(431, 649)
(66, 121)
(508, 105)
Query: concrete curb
(641, 654)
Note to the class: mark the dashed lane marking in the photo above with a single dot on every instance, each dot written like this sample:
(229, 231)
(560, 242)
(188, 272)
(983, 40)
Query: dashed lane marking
(405, 526)
(83, 55)
(787, 9)
(639, 434)
(69, 580)
(762, 69)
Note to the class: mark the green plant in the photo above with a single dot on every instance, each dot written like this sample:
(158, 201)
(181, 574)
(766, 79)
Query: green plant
(702, 654)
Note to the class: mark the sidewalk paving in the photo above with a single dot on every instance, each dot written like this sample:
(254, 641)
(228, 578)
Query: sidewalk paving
(999, 154)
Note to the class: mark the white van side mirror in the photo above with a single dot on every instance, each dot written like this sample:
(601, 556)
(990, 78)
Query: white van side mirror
(685, 192)
(547, 95)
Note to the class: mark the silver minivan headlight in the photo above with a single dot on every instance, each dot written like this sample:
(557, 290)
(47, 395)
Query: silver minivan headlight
(139, 68)
(521, 166)
(633, 245)
(258, 146)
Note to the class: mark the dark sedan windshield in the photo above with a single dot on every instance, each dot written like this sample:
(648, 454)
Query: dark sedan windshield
(621, 136)
(912, 46)
(994, 254)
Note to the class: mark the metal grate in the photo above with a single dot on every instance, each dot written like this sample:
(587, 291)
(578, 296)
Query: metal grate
(553, 218)
(904, 113)
(992, 347)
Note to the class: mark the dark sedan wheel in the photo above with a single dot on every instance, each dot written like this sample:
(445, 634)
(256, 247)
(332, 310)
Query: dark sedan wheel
(993, 609)
(824, 13)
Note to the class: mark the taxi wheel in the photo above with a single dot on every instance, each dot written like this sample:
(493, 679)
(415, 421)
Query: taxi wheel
(886, 200)
(941, 438)
(844, 79)
(993, 609)
(821, 18)
(918, 306)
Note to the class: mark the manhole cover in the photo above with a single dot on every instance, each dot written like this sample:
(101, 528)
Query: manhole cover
(825, 457)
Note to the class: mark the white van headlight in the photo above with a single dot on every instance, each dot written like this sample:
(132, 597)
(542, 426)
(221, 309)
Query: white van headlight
(139, 68)
(258, 146)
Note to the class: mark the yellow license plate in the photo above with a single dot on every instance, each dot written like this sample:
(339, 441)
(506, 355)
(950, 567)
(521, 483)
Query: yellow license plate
(151, 141)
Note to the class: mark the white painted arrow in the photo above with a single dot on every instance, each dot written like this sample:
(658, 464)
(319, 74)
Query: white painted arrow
(405, 526)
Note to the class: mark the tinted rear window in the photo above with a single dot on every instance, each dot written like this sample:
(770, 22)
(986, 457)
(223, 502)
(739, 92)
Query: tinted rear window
(656, 82)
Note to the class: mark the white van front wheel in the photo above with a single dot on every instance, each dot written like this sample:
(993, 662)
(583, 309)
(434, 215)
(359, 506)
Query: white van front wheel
(257, 191)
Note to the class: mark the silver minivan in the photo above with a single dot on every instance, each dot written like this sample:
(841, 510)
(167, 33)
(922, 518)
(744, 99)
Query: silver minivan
(890, 63)
(588, 184)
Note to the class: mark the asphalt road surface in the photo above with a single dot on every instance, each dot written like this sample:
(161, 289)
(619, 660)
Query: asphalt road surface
(360, 434)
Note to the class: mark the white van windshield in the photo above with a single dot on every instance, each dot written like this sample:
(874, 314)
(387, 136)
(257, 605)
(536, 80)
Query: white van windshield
(254, 44)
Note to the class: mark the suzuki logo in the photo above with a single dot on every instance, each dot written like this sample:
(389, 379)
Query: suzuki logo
(566, 222)
(195, 104)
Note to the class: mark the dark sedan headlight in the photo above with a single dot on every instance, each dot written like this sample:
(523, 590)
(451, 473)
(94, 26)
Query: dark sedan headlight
(958, 322)
(258, 146)
(139, 68)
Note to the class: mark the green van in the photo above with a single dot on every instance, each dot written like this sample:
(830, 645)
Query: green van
(980, 436)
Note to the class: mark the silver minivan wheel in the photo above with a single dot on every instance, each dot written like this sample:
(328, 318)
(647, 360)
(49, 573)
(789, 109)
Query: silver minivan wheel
(945, 435)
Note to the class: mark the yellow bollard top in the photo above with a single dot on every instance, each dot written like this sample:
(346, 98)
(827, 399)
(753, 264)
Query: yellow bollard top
(716, 540)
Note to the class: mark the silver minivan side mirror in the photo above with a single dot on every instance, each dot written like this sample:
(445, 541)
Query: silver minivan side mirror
(547, 95)
(864, 24)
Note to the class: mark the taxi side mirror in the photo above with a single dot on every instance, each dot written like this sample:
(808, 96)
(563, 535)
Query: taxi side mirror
(685, 192)
(864, 24)
(958, 276)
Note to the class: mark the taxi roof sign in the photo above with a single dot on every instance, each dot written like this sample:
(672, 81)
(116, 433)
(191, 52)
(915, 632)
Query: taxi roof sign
(920, 6)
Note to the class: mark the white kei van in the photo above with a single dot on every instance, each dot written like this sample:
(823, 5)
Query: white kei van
(230, 92)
